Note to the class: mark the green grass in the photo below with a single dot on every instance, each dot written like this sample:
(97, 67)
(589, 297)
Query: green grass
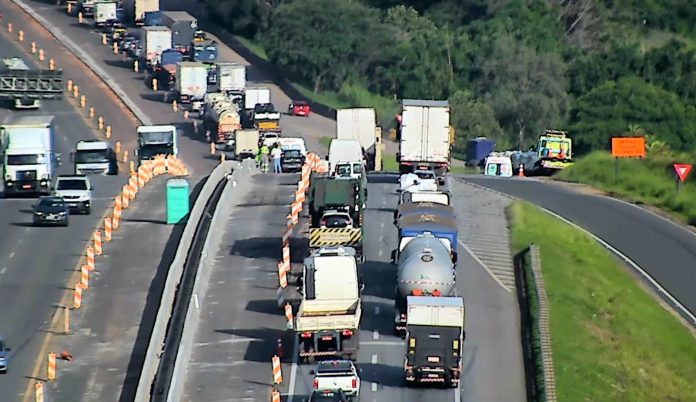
(649, 181)
(325, 141)
(255, 48)
(611, 340)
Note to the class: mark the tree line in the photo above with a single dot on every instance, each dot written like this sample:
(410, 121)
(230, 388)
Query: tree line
(510, 68)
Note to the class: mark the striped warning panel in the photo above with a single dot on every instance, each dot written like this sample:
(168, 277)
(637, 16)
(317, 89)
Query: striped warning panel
(335, 237)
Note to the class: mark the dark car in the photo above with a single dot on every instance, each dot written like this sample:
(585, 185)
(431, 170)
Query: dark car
(328, 396)
(291, 160)
(51, 210)
(4, 356)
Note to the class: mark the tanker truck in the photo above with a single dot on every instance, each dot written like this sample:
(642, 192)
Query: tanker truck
(424, 268)
(221, 117)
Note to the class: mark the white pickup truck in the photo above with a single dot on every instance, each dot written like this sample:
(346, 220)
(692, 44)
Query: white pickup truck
(337, 374)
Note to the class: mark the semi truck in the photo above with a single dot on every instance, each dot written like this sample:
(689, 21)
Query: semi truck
(424, 268)
(434, 340)
(25, 87)
(328, 319)
(359, 124)
(246, 143)
(191, 83)
(415, 208)
(156, 140)
(136, 9)
(221, 118)
(424, 137)
(156, 39)
(183, 26)
(29, 154)
(444, 228)
(86, 7)
(256, 95)
(165, 70)
(104, 11)
(230, 78)
(94, 157)
(477, 149)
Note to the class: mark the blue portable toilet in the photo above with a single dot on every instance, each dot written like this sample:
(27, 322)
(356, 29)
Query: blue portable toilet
(177, 201)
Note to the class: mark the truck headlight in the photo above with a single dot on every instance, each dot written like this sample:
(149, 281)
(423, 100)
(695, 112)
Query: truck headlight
(43, 183)
(61, 213)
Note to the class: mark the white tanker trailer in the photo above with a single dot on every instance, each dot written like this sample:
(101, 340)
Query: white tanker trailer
(425, 268)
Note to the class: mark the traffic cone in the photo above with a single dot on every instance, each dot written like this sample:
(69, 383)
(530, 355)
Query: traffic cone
(521, 171)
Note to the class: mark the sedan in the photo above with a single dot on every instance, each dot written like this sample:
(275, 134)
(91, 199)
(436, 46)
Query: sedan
(291, 160)
(4, 356)
(299, 108)
(51, 210)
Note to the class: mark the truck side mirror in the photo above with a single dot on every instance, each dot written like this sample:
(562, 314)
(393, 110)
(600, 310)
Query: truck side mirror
(393, 256)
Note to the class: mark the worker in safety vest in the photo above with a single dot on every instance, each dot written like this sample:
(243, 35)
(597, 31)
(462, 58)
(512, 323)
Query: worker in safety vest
(265, 154)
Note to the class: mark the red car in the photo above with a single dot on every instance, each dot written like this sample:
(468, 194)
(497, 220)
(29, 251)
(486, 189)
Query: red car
(299, 108)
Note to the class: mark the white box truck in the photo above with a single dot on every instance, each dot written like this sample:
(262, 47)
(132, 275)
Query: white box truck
(254, 95)
(359, 124)
(28, 152)
(136, 9)
(231, 77)
(424, 137)
(104, 11)
(156, 39)
(191, 82)
(434, 340)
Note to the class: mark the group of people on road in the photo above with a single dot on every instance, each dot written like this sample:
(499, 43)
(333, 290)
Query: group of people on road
(266, 155)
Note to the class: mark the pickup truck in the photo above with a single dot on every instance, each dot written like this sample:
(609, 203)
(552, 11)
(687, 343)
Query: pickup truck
(335, 375)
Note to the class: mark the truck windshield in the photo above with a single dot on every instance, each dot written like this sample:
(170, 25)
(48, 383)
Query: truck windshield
(31, 159)
(96, 156)
(150, 151)
(71, 184)
(163, 137)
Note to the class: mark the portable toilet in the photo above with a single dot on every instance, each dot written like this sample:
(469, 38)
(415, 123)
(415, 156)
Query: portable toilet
(177, 201)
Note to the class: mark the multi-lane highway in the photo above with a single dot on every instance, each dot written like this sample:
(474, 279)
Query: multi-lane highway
(37, 262)
(667, 251)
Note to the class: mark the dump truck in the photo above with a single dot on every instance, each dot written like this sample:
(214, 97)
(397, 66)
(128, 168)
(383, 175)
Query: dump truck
(135, 10)
(424, 137)
(359, 124)
(26, 87)
(328, 319)
(424, 268)
(156, 140)
(434, 340)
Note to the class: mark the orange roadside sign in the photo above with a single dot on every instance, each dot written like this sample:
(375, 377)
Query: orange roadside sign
(628, 147)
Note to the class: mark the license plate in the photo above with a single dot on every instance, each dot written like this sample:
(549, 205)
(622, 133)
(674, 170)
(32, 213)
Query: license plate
(433, 359)
(326, 338)
(52, 218)
(26, 186)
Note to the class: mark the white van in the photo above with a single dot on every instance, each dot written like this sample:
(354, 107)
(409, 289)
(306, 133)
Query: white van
(294, 143)
(344, 152)
(498, 166)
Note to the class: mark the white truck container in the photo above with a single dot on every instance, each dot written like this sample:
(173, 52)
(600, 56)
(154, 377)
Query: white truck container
(435, 340)
(437, 197)
(357, 124)
(231, 77)
(29, 157)
(136, 9)
(104, 11)
(155, 40)
(329, 315)
(192, 82)
(425, 136)
(254, 95)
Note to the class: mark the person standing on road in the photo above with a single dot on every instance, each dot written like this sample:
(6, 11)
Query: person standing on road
(275, 154)
(264, 158)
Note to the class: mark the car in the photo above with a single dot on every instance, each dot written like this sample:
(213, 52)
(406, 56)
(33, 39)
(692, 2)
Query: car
(4, 356)
(328, 396)
(336, 219)
(76, 190)
(299, 108)
(340, 375)
(291, 160)
(51, 210)
(269, 138)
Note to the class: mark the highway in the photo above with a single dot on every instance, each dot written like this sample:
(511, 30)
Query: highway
(37, 262)
(667, 251)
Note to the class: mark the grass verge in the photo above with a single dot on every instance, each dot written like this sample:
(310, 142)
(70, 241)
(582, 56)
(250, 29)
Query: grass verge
(252, 46)
(611, 340)
(649, 181)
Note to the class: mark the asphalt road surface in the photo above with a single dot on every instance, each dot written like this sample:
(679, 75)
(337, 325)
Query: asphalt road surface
(37, 261)
(666, 250)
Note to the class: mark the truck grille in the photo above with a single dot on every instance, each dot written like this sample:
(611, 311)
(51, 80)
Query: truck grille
(26, 175)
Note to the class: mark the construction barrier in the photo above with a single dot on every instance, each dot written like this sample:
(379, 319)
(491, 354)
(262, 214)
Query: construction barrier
(107, 229)
(275, 395)
(282, 275)
(277, 374)
(39, 392)
(97, 242)
(51, 366)
(84, 278)
(288, 312)
(91, 263)
(77, 296)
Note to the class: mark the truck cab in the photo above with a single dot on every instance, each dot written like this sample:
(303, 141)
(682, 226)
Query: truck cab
(94, 157)
(156, 140)
(554, 151)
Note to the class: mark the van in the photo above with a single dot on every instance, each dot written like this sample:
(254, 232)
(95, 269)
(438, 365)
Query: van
(344, 151)
(498, 166)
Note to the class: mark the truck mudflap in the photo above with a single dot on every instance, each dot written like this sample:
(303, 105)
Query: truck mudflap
(341, 343)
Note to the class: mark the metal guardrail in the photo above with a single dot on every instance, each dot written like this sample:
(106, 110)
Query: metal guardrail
(536, 335)
(174, 276)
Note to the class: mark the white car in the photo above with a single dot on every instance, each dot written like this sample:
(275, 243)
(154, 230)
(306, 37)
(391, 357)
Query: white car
(76, 190)
(336, 219)
(334, 375)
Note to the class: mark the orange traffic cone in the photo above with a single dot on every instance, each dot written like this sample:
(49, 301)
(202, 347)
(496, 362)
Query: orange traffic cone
(521, 171)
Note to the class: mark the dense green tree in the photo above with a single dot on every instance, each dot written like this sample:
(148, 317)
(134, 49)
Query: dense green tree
(526, 89)
(609, 109)
(473, 118)
(245, 17)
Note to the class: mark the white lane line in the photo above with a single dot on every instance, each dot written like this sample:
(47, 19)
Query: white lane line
(293, 370)
(471, 253)
(381, 343)
(381, 225)
(374, 359)
(374, 387)
(12, 254)
(376, 310)
(458, 392)
(2, 271)
(375, 335)
(381, 252)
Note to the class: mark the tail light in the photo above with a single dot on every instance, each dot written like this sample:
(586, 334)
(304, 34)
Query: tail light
(306, 335)
(347, 333)
(354, 383)
(316, 384)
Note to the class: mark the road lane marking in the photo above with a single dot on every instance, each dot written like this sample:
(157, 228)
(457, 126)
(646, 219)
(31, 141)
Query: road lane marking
(375, 335)
(12, 254)
(374, 387)
(492, 275)
(2, 271)
(381, 252)
(374, 359)
(381, 225)
(381, 343)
